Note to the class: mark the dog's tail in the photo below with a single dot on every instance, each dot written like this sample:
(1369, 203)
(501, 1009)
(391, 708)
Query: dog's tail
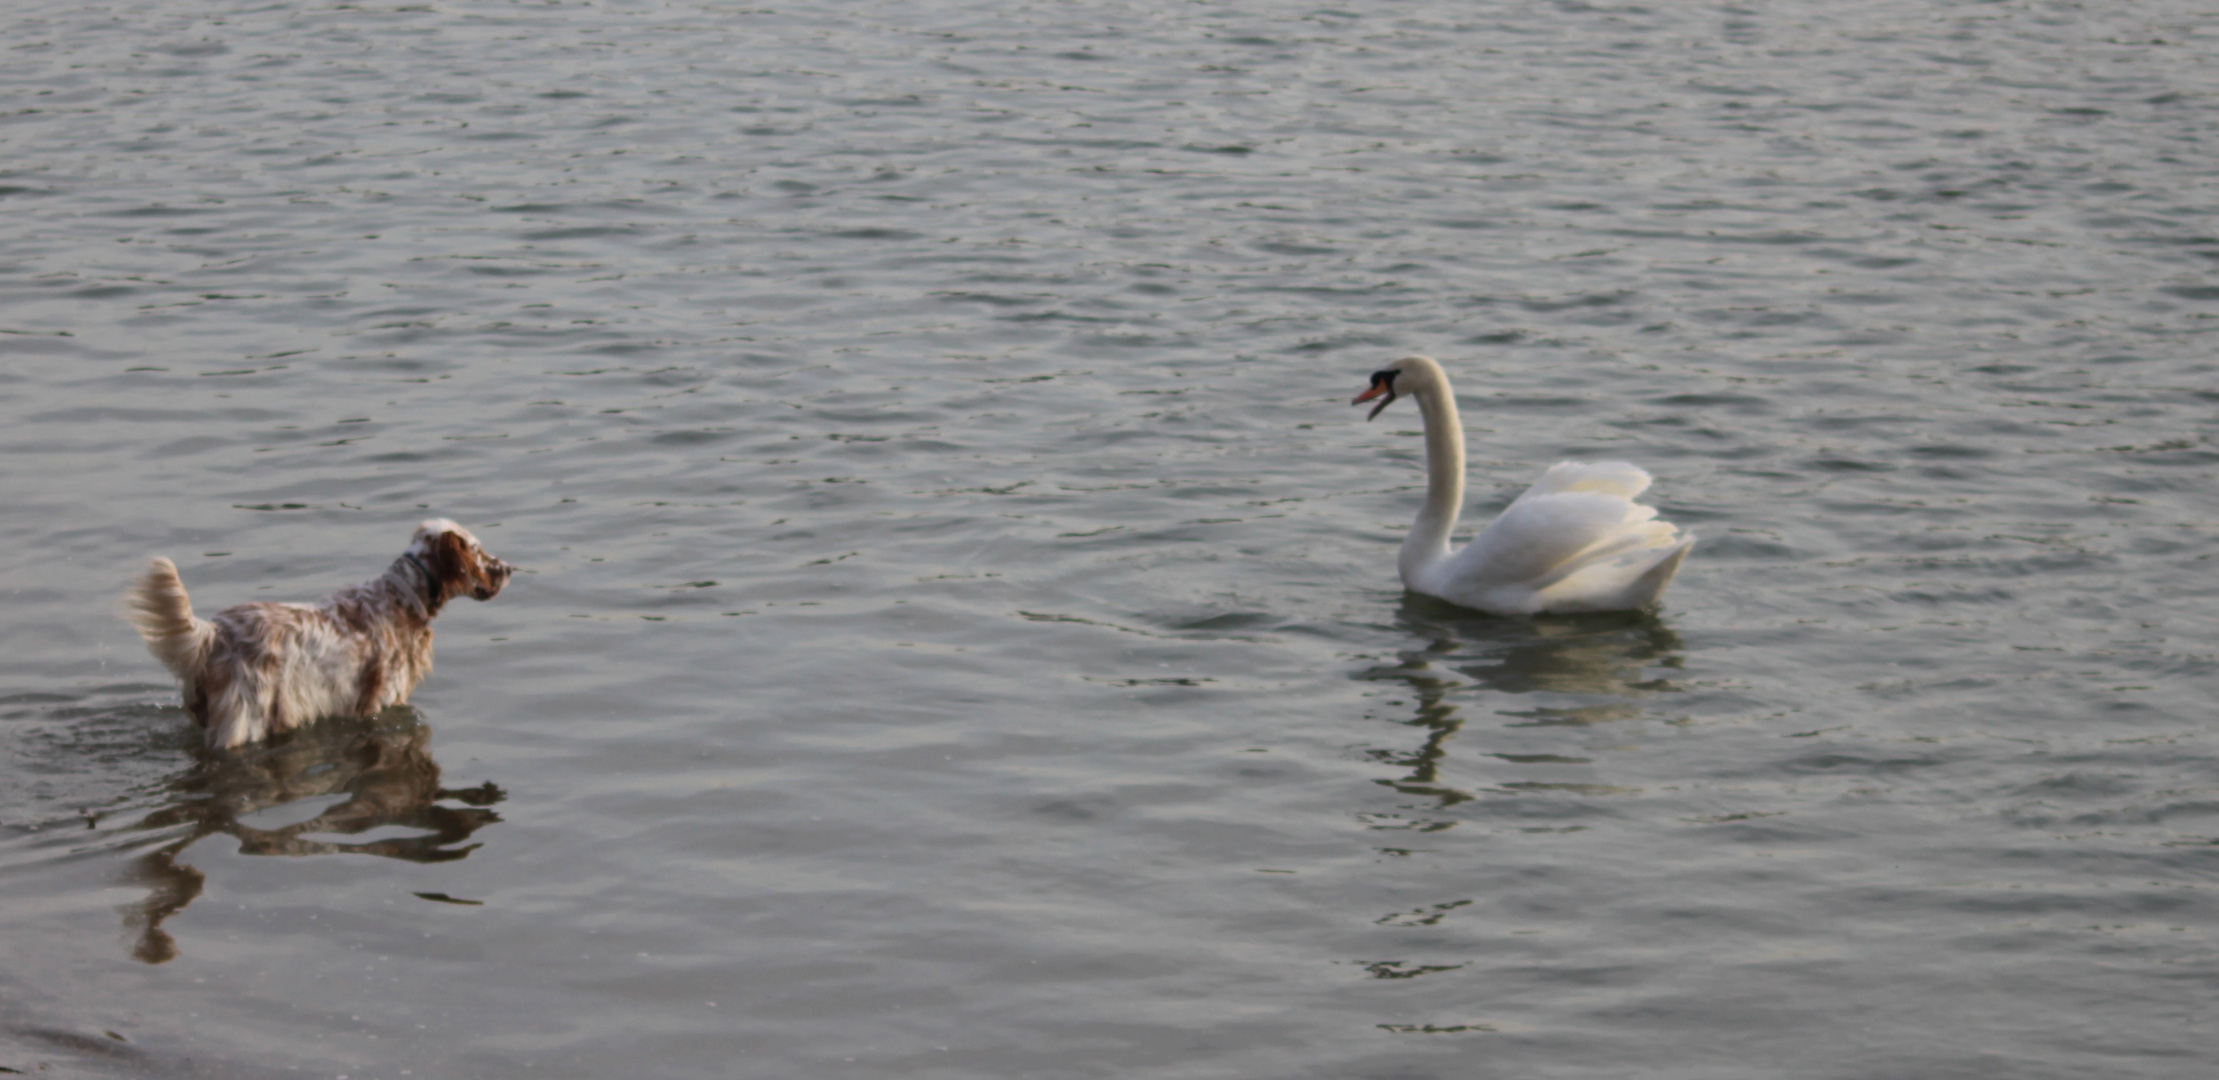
(158, 606)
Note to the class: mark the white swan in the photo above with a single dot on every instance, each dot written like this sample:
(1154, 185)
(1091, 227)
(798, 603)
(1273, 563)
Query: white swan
(1575, 541)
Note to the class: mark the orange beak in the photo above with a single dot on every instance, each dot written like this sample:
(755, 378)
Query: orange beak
(1376, 390)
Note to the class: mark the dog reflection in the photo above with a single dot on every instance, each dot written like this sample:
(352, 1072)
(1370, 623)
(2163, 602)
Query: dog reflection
(1609, 656)
(382, 765)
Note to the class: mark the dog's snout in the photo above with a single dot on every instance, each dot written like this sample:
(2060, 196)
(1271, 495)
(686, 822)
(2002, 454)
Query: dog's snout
(496, 575)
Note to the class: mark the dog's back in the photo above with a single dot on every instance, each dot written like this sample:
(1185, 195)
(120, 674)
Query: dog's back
(287, 664)
(253, 670)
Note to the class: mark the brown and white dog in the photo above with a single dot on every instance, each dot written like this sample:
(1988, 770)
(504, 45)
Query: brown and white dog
(259, 669)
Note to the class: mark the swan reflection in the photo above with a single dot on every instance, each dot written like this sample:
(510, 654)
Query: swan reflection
(1611, 656)
(382, 766)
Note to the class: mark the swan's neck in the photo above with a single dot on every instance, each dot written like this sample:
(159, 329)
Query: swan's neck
(1428, 541)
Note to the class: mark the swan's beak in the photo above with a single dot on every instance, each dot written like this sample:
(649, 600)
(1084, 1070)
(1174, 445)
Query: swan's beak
(1383, 386)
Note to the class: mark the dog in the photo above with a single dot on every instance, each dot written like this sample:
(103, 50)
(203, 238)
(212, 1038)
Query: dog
(256, 670)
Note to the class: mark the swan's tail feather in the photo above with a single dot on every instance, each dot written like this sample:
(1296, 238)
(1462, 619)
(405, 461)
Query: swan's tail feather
(1652, 582)
(158, 607)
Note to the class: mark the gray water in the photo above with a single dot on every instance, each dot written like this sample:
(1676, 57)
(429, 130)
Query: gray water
(957, 632)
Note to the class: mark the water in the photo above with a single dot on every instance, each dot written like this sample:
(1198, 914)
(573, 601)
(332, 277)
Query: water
(958, 633)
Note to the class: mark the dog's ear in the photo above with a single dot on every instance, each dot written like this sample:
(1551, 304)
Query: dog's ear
(457, 568)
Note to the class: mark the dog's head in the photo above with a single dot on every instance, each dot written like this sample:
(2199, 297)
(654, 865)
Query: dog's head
(457, 563)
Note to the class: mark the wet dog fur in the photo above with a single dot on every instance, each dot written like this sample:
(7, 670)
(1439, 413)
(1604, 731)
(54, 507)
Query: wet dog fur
(256, 670)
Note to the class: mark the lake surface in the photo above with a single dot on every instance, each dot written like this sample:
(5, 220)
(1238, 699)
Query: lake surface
(957, 632)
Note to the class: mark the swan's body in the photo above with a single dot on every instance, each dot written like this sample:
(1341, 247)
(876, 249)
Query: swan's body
(1575, 541)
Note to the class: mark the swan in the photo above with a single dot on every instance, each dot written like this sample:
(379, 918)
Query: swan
(1575, 541)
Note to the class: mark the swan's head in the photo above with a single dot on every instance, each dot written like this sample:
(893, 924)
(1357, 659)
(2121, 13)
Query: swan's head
(1409, 375)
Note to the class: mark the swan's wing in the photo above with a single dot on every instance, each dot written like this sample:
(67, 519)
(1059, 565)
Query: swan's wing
(1538, 535)
(1623, 582)
(1603, 477)
(1574, 541)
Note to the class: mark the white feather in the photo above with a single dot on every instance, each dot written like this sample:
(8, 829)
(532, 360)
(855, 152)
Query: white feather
(1574, 541)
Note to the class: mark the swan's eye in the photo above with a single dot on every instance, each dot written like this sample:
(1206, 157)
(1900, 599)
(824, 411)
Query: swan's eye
(1384, 378)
